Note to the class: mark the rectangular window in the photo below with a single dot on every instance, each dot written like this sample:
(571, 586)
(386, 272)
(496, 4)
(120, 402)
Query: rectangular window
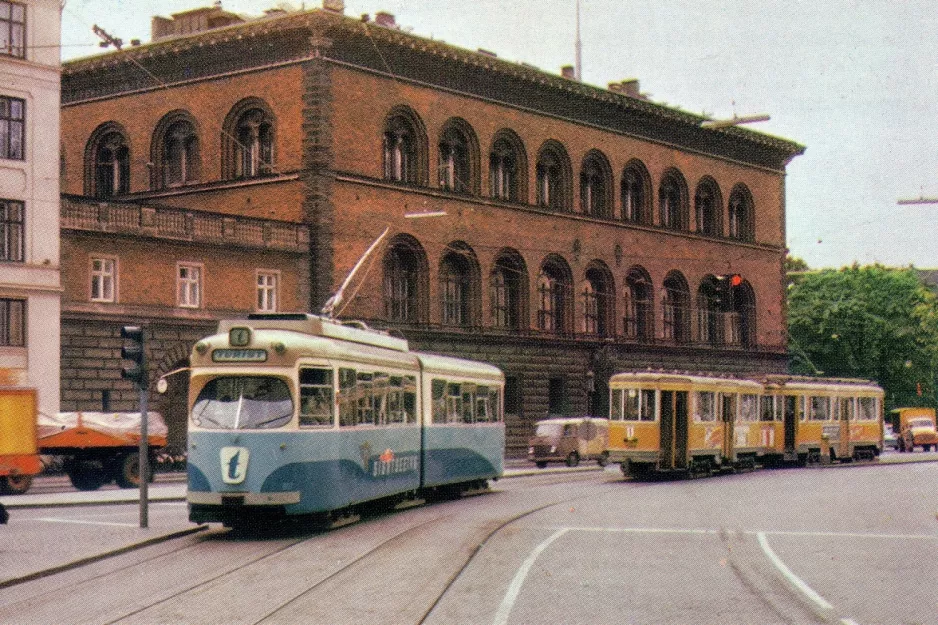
(12, 323)
(12, 29)
(820, 409)
(706, 406)
(103, 279)
(267, 291)
(189, 286)
(12, 128)
(749, 408)
(11, 230)
(868, 408)
(639, 405)
(316, 406)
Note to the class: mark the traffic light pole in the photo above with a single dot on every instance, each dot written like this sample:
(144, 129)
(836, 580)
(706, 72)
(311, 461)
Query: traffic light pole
(136, 353)
(144, 459)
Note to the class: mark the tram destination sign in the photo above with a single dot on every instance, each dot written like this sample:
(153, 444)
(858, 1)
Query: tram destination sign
(239, 355)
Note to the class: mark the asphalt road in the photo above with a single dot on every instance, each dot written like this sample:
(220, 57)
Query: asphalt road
(850, 545)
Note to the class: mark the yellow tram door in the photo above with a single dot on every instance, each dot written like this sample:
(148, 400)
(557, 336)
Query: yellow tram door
(845, 416)
(674, 430)
(790, 417)
(728, 416)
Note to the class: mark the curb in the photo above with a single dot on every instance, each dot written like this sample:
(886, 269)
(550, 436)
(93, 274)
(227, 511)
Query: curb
(13, 581)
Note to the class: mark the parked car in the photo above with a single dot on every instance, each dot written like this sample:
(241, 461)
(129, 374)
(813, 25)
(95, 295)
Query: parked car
(890, 440)
(569, 440)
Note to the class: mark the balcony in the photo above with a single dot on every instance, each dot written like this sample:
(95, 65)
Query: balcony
(175, 224)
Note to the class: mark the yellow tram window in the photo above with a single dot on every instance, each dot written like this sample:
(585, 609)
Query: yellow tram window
(706, 407)
(868, 411)
(820, 409)
(649, 406)
(749, 408)
(767, 408)
(615, 404)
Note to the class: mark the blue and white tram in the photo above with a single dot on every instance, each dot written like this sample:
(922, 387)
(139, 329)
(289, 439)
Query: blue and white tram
(296, 414)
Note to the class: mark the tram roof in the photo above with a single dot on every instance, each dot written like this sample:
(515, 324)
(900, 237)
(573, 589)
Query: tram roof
(677, 378)
(314, 325)
(447, 365)
(803, 382)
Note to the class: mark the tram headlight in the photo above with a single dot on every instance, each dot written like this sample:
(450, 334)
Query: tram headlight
(553, 449)
(278, 347)
(201, 348)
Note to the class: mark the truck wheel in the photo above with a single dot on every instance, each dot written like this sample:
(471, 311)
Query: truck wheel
(87, 475)
(573, 459)
(127, 471)
(15, 484)
(540, 464)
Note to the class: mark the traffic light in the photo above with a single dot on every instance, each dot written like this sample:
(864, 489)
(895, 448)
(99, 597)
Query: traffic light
(134, 352)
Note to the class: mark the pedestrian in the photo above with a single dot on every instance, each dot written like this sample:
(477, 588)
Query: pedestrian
(4, 515)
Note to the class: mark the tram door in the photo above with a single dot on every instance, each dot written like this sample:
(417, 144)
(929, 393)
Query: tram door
(673, 430)
(846, 416)
(790, 416)
(728, 416)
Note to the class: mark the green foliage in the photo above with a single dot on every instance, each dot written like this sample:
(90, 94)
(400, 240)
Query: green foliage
(869, 322)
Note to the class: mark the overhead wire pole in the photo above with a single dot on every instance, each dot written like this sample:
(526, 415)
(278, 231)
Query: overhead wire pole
(918, 200)
(578, 67)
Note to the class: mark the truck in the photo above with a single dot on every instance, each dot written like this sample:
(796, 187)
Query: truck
(97, 448)
(916, 427)
(19, 454)
(569, 440)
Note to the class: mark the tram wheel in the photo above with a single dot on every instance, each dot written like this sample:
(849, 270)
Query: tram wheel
(15, 484)
(540, 464)
(573, 459)
(603, 459)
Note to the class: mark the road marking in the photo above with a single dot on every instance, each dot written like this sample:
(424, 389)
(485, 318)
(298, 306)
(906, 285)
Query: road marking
(77, 522)
(661, 530)
(508, 602)
(786, 572)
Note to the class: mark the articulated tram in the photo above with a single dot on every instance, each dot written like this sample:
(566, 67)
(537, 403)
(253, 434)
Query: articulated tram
(664, 422)
(297, 414)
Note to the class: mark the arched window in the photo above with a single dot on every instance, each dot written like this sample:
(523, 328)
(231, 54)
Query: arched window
(459, 286)
(508, 168)
(405, 281)
(595, 185)
(553, 291)
(404, 147)
(508, 286)
(635, 194)
(708, 208)
(743, 315)
(598, 296)
(675, 305)
(741, 214)
(553, 177)
(672, 201)
(458, 150)
(710, 312)
(248, 140)
(175, 153)
(109, 154)
(638, 320)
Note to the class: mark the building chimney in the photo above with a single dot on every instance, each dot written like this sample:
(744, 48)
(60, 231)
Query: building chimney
(383, 18)
(628, 87)
(336, 6)
(568, 72)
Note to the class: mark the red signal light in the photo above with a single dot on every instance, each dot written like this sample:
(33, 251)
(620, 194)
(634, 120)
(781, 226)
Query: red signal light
(736, 279)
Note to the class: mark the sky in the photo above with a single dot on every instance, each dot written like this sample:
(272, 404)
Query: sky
(855, 81)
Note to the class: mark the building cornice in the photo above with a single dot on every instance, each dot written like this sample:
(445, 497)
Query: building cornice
(323, 33)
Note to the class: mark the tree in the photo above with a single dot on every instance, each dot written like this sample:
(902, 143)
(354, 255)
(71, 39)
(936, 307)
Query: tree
(868, 322)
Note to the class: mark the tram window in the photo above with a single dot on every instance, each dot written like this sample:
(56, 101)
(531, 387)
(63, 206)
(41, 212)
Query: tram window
(767, 408)
(615, 404)
(316, 408)
(438, 397)
(410, 399)
(484, 412)
(749, 408)
(631, 409)
(868, 409)
(468, 402)
(453, 403)
(243, 403)
(648, 405)
(820, 409)
(706, 407)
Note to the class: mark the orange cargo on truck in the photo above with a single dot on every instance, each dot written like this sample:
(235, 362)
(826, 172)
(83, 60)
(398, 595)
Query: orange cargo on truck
(19, 459)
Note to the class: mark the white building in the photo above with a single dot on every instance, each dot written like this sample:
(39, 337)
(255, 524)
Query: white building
(30, 290)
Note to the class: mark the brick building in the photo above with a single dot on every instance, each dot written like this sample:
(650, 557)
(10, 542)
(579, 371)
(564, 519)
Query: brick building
(235, 165)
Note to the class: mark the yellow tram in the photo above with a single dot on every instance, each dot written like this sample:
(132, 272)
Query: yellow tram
(683, 422)
(824, 419)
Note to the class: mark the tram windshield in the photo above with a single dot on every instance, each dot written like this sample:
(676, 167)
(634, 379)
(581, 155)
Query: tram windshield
(243, 403)
(549, 430)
